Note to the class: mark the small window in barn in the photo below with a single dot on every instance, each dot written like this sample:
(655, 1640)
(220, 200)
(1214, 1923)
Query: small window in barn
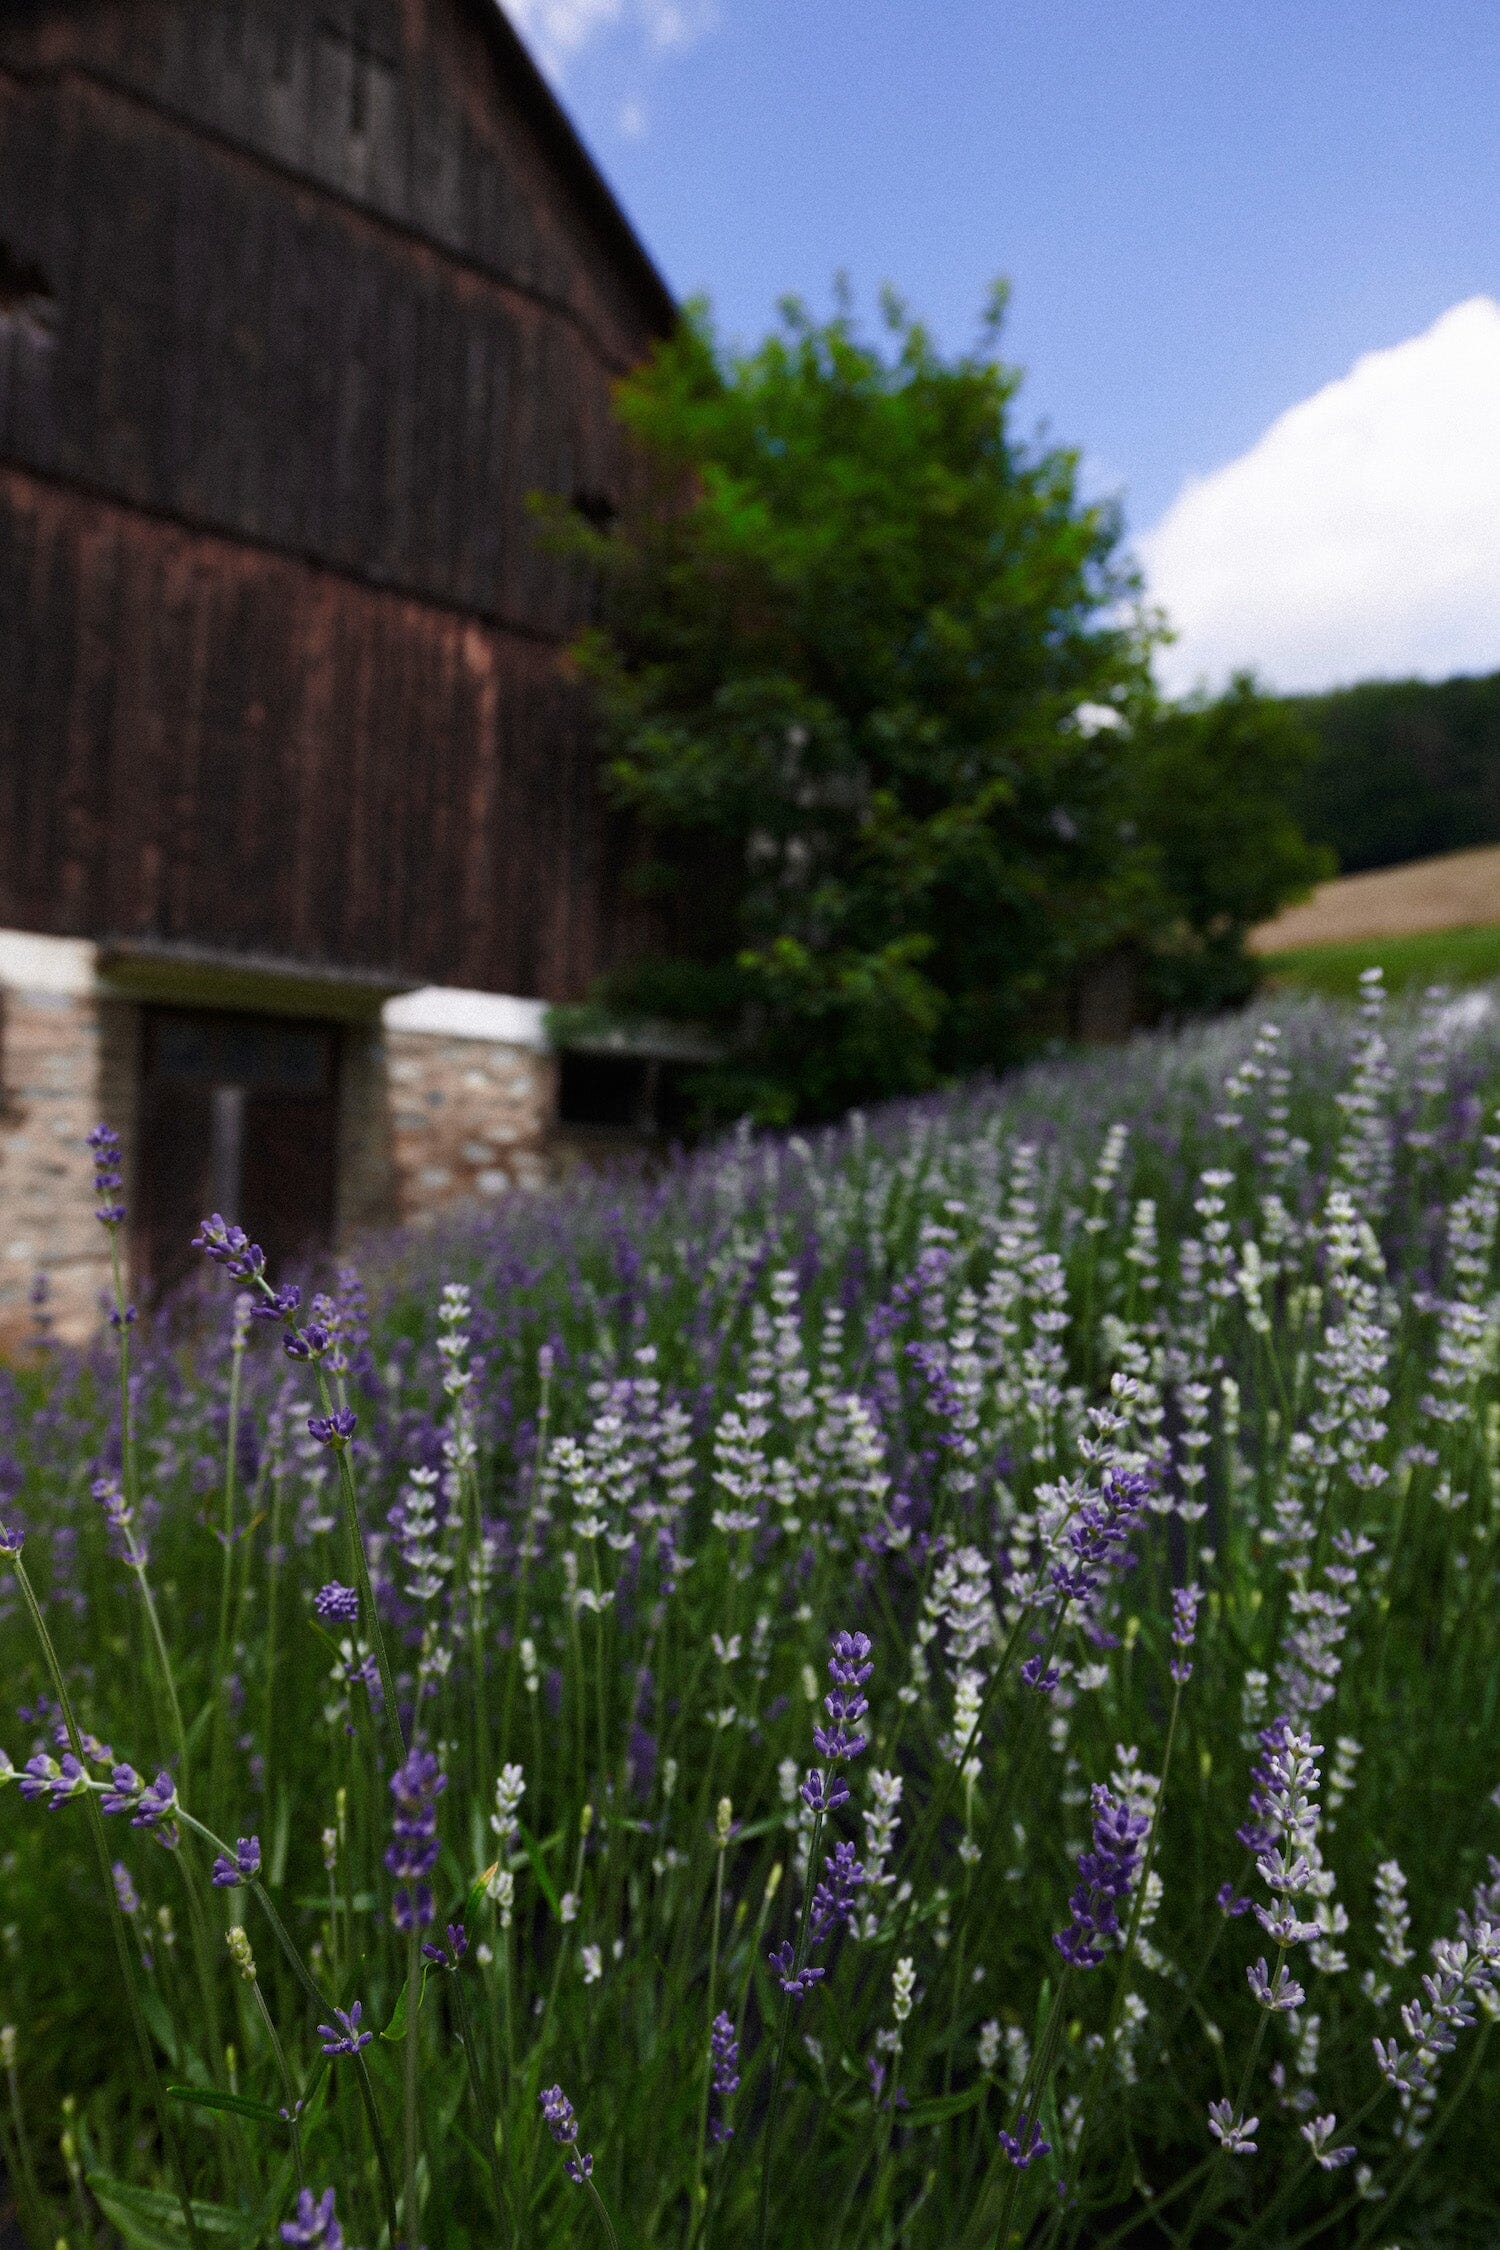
(597, 509)
(26, 300)
(238, 1114)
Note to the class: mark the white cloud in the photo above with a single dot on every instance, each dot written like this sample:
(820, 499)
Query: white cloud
(1359, 537)
(557, 30)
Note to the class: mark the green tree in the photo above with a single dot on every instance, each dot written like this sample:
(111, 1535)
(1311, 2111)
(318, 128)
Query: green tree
(875, 681)
(1214, 786)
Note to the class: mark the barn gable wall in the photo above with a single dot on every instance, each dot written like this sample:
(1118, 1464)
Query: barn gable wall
(300, 300)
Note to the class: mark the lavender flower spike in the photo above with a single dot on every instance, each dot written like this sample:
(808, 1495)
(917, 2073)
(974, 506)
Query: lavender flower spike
(849, 1667)
(563, 2126)
(336, 1604)
(231, 1248)
(243, 1868)
(314, 2226)
(833, 1900)
(724, 2073)
(416, 1786)
(109, 1174)
(1185, 1600)
(1105, 1875)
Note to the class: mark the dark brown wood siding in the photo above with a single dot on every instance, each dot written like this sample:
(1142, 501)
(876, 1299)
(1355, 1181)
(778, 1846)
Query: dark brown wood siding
(204, 741)
(311, 300)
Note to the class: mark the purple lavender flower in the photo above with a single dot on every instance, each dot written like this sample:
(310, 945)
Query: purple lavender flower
(824, 1792)
(12, 1538)
(279, 1304)
(1044, 1678)
(1233, 2134)
(844, 1703)
(563, 2126)
(1257, 1835)
(45, 1777)
(123, 1793)
(118, 1519)
(833, 1900)
(152, 1806)
(1105, 1874)
(157, 1808)
(335, 1429)
(416, 1786)
(230, 1247)
(314, 2227)
(1025, 2144)
(448, 1956)
(724, 2073)
(1099, 1533)
(343, 2036)
(243, 1868)
(795, 1983)
(125, 1890)
(336, 1604)
(1185, 1600)
(311, 1342)
(109, 1174)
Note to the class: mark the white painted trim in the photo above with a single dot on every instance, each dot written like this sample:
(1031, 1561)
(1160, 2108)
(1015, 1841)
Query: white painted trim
(449, 1012)
(30, 963)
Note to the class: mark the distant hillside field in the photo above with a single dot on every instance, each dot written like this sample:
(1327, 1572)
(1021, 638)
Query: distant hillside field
(1408, 768)
(1436, 921)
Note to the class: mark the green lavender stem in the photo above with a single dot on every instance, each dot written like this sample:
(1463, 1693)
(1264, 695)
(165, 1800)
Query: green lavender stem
(409, 2211)
(116, 1915)
(489, 2118)
(784, 2037)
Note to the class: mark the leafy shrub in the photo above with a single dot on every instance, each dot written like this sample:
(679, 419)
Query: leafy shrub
(1122, 1440)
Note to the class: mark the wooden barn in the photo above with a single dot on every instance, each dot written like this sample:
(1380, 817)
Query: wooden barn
(300, 300)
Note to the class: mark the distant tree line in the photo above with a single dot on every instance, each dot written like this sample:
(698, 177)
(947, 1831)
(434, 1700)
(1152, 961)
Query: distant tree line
(1403, 769)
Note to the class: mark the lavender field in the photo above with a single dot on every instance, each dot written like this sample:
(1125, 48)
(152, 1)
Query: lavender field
(933, 1685)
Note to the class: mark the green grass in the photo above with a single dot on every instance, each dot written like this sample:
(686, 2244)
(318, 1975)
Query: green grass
(1454, 957)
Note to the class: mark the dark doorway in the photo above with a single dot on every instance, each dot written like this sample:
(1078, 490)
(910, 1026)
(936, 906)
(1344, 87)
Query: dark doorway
(238, 1114)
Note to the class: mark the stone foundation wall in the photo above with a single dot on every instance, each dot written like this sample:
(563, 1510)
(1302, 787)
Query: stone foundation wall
(64, 1064)
(471, 1119)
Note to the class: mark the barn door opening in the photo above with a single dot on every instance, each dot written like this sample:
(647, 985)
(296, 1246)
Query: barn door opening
(238, 1114)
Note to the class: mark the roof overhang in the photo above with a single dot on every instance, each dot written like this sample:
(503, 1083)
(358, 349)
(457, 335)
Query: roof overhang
(192, 976)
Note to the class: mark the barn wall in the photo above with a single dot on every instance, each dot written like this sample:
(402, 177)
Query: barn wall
(200, 740)
(303, 303)
(238, 351)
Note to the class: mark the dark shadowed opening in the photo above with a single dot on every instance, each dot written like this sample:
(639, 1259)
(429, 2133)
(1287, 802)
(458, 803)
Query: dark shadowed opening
(238, 1114)
(24, 292)
(611, 1096)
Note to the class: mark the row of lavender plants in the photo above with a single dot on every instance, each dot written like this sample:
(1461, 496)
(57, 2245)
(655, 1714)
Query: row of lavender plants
(932, 1686)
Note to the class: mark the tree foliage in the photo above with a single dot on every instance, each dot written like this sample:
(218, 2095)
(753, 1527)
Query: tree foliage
(876, 685)
(1216, 784)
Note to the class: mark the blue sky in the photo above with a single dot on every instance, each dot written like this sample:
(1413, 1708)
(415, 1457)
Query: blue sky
(1208, 211)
